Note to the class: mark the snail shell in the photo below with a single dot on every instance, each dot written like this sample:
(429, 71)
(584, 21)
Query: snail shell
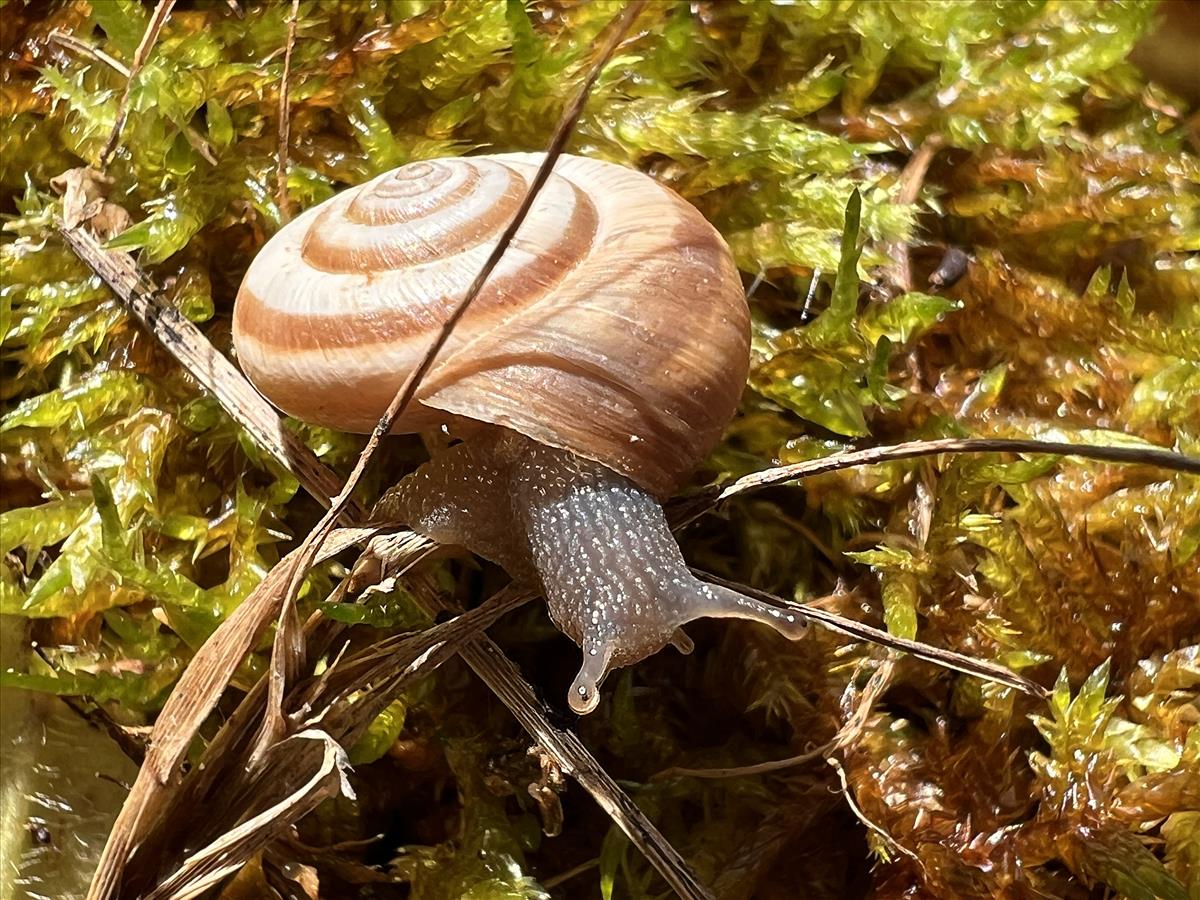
(615, 326)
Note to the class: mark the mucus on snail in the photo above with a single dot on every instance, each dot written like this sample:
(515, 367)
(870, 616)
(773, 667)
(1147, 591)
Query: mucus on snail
(599, 364)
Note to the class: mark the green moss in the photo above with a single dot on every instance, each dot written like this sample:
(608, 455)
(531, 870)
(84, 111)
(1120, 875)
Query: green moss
(136, 515)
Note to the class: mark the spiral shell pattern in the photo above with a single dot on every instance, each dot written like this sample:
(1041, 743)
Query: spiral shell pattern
(615, 325)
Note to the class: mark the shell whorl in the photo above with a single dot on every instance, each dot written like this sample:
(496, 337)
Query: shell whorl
(614, 326)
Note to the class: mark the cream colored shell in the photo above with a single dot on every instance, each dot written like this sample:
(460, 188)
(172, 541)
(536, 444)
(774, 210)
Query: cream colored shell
(615, 325)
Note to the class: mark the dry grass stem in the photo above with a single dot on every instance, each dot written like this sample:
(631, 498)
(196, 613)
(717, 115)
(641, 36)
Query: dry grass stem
(206, 867)
(285, 113)
(1167, 459)
(208, 366)
(83, 48)
(190, 702)
(912, 177)
(153, 28)
(563, 877)
(688, 509)
(762, 768)
(338, 706)
(576, 761)
(847, 734)
(214, 663)
(871, 826)
(877, 684)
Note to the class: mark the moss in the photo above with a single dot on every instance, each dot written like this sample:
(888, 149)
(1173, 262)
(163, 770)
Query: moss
(136, 515)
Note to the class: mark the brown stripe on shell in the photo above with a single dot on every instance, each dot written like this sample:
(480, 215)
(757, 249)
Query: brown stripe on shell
(659, 314)
(503, 294)
(334, 243)
(380, 205)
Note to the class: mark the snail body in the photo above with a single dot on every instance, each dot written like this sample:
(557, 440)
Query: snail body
(599, 364)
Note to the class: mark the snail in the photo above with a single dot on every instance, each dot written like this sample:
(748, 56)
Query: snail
(599, 364)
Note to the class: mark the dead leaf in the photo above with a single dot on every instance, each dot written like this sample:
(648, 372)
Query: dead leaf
(283, 769)
(545, 792)
(85, 201)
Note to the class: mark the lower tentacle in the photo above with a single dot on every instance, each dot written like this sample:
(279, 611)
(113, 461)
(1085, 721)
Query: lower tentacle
(584, 695)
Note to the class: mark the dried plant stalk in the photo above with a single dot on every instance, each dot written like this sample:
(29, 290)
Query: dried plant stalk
(688, 509)
(207, 365)
(153, 28)
(208, 866)
(336, 706)
(281, 166)
(574, 759)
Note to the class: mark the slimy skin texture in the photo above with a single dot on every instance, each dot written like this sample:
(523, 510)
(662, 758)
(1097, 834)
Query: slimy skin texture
(596, 544)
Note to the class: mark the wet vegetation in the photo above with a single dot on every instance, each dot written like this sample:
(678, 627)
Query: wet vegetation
(1027, 267)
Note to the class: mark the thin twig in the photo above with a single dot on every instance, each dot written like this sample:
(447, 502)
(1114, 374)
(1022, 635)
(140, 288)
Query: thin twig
(912, 177)
(1153, 456)
(862, 816)
(131, 744)
(762, 768)
(690, 508)
(756, 284)
(285, 118)
(563, 877)
(157, 19)
(575, 760)
(83, 48)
